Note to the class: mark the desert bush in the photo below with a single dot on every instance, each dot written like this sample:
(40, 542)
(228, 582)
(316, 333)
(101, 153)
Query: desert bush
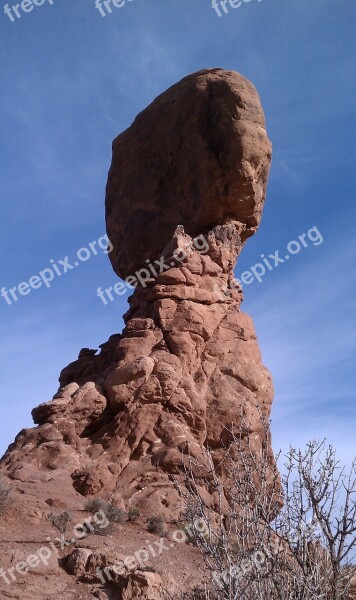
(112, 513)
(94, 505)
(291, 538)
(134, 513)
(116, 515)
(4, 495)
(61, 521)
(96, 529)
(155, 525)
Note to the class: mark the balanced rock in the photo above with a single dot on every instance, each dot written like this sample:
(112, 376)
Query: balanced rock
(198, 156)
(186, 186)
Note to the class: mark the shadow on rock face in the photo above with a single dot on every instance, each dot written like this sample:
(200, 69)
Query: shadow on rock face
(198, 156)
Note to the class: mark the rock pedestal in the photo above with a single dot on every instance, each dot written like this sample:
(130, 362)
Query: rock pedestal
(185, 371)
(185, 190)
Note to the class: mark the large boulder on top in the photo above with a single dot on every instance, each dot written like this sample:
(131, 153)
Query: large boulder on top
(198, 156)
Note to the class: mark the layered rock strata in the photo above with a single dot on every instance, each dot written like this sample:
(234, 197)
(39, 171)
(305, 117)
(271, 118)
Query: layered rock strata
(185, 369)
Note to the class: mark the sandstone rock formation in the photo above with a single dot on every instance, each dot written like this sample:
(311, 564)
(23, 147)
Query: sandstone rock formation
(185, 190)
(198, 156)
(186, 367)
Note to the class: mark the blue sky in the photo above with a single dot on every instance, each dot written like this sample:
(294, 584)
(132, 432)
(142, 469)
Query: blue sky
(72, 80)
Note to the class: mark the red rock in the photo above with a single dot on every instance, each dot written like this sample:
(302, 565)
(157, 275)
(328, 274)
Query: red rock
(187, 366)
(198, 156)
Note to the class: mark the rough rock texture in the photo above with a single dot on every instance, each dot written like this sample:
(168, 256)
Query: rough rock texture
(187, 183)
(197, 156)
(186, 367)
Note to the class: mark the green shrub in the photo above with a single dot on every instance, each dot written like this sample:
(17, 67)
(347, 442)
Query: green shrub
(134, 513)
(96, 529)
(112, 513)
(95, 505)
(116, 515)
(155, 525)
(61, 521)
